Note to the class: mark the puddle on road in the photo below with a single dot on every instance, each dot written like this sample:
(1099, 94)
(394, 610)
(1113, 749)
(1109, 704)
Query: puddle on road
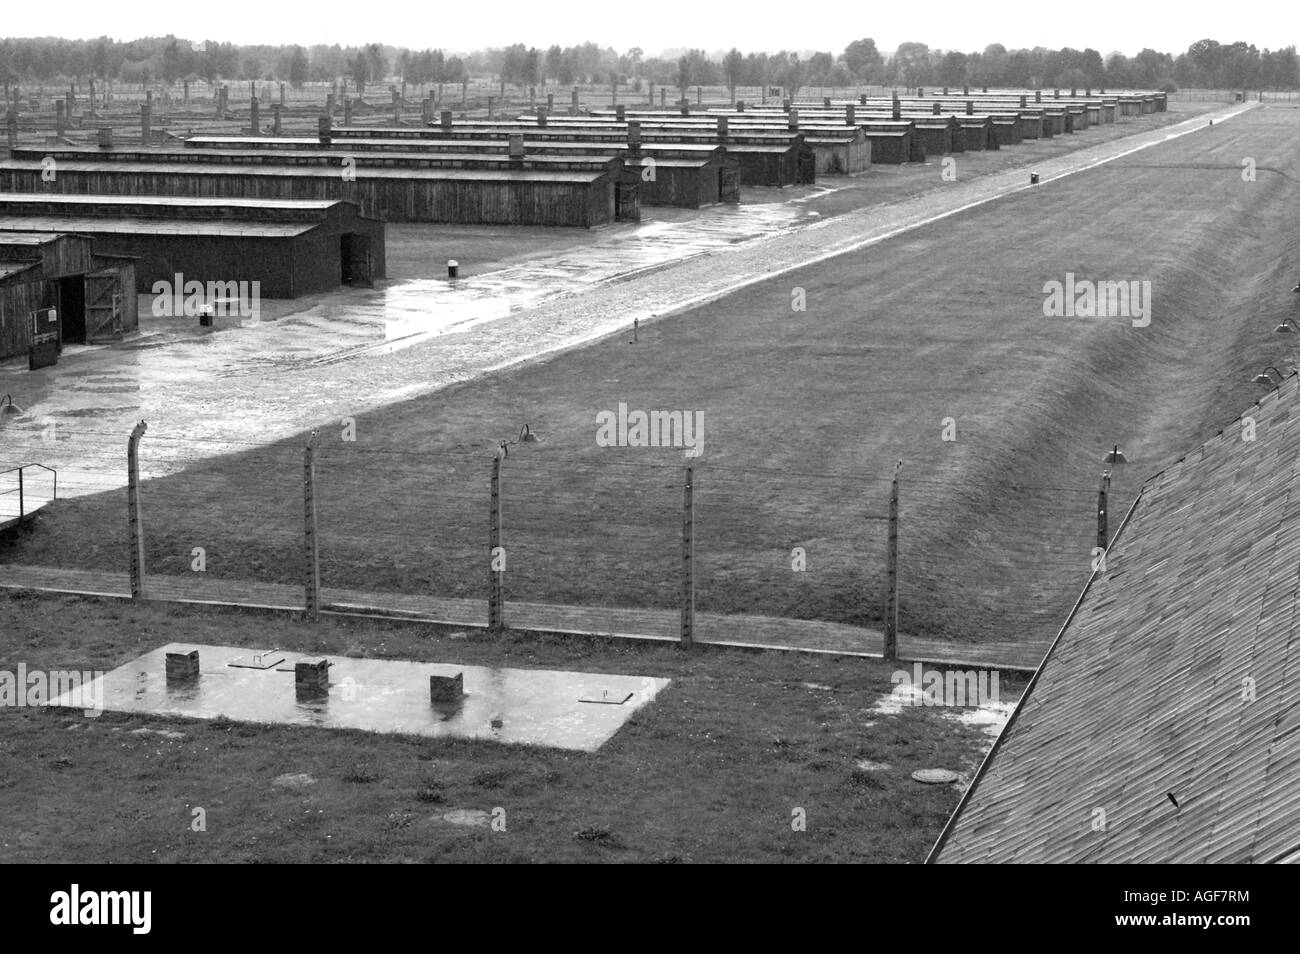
(173, 372)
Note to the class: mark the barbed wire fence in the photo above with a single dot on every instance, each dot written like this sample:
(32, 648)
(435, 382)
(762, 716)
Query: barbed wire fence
(900, 552)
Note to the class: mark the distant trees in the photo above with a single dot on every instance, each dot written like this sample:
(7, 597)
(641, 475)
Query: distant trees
(864, 62)
(694, 68)
(297, 67)
(1239, 65)
(1205, 63)
(911, 65)
(733, 70)
(521, 65)
(952, 72)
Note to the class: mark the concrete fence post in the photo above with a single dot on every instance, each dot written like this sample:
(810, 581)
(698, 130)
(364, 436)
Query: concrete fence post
(496, 588)
(134, 517)
(1103, 537)
(891, 572)
(688, 559)
(311, 540)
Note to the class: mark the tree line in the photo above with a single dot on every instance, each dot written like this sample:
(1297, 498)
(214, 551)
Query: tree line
(1206, 63)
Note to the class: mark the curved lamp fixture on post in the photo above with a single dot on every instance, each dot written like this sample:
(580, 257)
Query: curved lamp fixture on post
(1263, 377)
(1114, 456)
(526, 436)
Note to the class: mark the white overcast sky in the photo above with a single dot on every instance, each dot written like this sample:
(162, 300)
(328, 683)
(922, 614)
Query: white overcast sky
(655, 25)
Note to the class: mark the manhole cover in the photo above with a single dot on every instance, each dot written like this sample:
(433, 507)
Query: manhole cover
(934, 776)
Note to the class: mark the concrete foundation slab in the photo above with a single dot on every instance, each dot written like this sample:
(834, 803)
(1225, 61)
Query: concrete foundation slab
(520, 706)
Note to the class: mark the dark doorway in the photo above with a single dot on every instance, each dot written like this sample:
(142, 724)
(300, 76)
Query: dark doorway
(627, 202)
(345, 257)
(362, 263)
(72, 309)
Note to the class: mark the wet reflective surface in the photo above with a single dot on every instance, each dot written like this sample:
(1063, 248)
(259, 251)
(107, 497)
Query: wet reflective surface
(521, 706)
(260, 378)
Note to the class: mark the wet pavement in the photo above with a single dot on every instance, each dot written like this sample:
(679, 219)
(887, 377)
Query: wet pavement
(316, 360)
(563, 710)
(258, 378)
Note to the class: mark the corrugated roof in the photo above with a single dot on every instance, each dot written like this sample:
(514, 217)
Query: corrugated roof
(286, 152)
(8, 269)
(112, 225)
(441, 147)
(669, 163)
(164, 200)
(1173, 681)
(313, 172)
(30, 237)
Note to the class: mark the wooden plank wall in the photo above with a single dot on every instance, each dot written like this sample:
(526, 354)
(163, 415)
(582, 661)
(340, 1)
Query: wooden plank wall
(18, 299)
(472, 202)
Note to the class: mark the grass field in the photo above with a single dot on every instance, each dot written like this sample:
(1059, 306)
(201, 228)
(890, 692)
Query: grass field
(805, 415)
(711, 772)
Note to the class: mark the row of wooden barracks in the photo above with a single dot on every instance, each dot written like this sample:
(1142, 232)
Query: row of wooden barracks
(580, 171)
(304, 214)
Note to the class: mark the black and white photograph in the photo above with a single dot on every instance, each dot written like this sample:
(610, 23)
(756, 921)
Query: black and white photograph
(650, 434)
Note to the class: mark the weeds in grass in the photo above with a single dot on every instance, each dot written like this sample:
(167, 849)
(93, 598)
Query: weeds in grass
(431, 794)
(492, 778)
(865, 779)
(397, 820)
(360, 775)
(598, 836)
